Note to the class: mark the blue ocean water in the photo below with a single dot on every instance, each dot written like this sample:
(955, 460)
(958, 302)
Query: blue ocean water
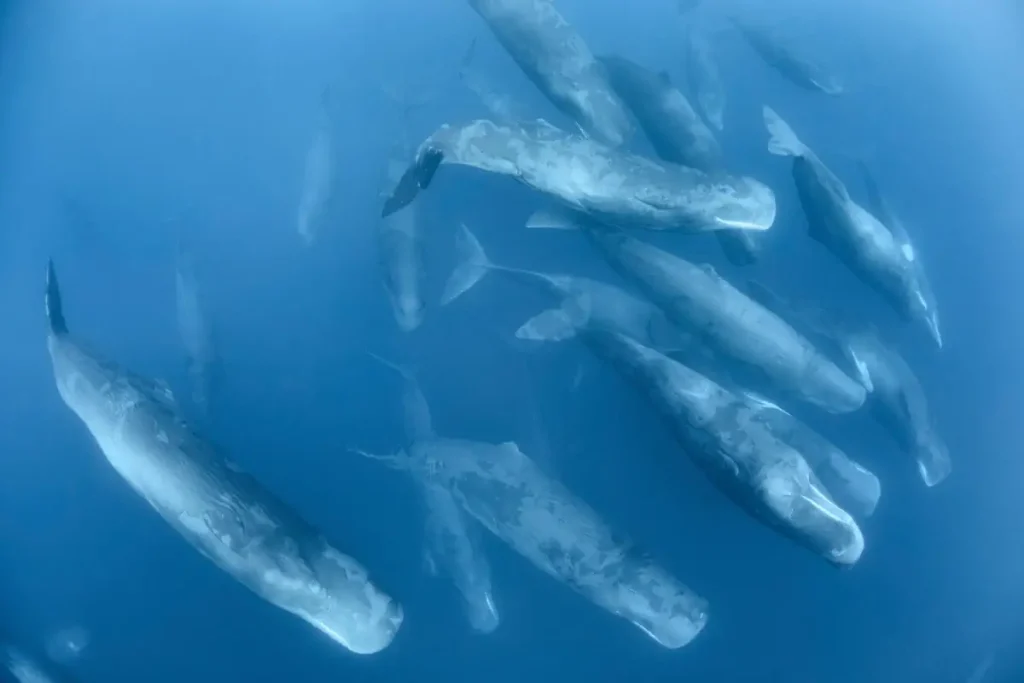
(127, 127)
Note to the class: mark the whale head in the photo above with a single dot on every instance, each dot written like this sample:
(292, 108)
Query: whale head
(804, 509)
(333, 593)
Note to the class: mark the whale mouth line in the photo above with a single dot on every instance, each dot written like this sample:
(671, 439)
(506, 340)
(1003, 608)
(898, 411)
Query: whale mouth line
(740, 224)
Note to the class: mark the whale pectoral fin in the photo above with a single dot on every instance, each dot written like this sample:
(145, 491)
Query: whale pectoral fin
(550, 326)
(417, 177)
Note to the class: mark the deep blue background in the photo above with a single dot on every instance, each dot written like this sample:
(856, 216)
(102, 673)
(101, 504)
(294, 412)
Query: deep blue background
(124, 124)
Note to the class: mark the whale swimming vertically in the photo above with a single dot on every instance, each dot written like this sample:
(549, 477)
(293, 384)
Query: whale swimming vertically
(220, 510)
(924, 303)
(742, 455)
(400, 255)
(677, 134)
(511, 496)
(557, 60)
(194, 330)
(452, 542)
(734, 326)
(607, 184)
(704, 79)
(318, 175)
(882, 259)
(897, 401)
(797, 69)
(895, 397)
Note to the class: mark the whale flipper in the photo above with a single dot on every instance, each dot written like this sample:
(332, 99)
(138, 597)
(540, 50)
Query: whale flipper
(417, 177)
(54, 307)
(782, 141)
(473, 264)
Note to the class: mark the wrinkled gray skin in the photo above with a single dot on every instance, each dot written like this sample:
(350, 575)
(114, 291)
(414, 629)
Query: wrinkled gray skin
(552, 55)
(400, 254)
(737, 328)
(559, 534)
(576, 297)
(609, 185)
(677, 134)
(879, 258)
(452, 545)
(705, 82)
(850, 484)
(222, 512)
(794, 68)
(727, 438)
(898, 403)
(195, 332)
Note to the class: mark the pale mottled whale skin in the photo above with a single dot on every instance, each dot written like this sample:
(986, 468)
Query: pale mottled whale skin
(554, 56)
(608, 185)
(882, 259)
(733, 325)
(562, 536)
(794, 68)
(221, 511)
(741, 454)
(677, 134)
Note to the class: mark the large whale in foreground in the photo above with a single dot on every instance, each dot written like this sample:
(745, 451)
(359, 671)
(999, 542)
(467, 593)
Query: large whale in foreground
(535, 515)
(557, 60)
(879, 255)
(611, 186)
(221, 511)
(742, 454)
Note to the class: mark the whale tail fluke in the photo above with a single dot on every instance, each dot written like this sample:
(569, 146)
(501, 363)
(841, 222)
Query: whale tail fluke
(54, 308)
(473, 264)
(782, 141)
(417, 177)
